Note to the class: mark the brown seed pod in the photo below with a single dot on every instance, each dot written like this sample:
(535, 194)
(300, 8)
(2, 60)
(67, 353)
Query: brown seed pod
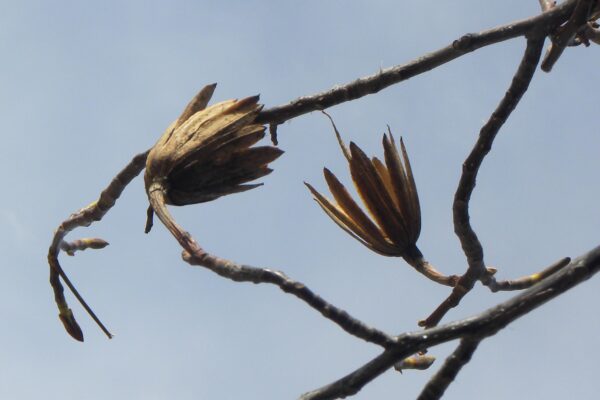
(207, 153)
(389, 193)
(391, 224)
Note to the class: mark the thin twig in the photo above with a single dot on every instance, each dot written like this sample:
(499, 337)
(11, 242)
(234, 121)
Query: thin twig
(437, 385)
(526, 282)
(567, 33)
(85, 217)
(462, 226)
(482, 325)
(424, 267)
(195, 255)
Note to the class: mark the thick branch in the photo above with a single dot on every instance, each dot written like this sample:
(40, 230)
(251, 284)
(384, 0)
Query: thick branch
(542, 24)
(483, 325)
(438, 384)
(462, 226)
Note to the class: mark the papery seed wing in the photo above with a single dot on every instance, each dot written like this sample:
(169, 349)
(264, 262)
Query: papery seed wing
(385, 177)
(412, 189)
(198, 103)
(207, 129)
(224, 171)
(339, 138)
(373, 192)
(363, 224)
(346, 223)
(231, 141)
(399, 181)
(181, 198)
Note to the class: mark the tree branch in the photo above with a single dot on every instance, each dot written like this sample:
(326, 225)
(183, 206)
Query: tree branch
(245, 273)
(542, 24)
(483, 325)
(195, 255)
(462, 226)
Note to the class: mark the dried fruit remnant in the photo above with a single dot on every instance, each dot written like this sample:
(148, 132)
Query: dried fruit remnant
(389, 194)
(207, 152)
(388, 190)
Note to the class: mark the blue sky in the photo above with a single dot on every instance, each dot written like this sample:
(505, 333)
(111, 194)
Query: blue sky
(85, 86)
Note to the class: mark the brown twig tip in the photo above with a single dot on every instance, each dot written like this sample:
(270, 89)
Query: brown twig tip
(574, 28)
(273, 134)
(71, 325)
(149, 219)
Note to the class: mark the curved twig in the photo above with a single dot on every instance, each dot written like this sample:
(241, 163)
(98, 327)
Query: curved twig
(462, 226)
(84, 217)
(195, 255)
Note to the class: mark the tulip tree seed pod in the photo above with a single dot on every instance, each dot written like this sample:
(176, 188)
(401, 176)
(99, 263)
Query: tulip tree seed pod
(207, 153)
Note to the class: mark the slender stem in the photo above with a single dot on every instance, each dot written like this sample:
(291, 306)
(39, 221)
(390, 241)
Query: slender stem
(462, 227)
(437, 385)
(195, 255)
(415, 259)
(526, 282)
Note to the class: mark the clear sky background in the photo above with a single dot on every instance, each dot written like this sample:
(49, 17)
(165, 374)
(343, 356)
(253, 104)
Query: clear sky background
(86, 85)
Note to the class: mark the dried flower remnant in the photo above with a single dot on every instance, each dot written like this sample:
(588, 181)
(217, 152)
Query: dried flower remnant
(390, 195)
(205, 154)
